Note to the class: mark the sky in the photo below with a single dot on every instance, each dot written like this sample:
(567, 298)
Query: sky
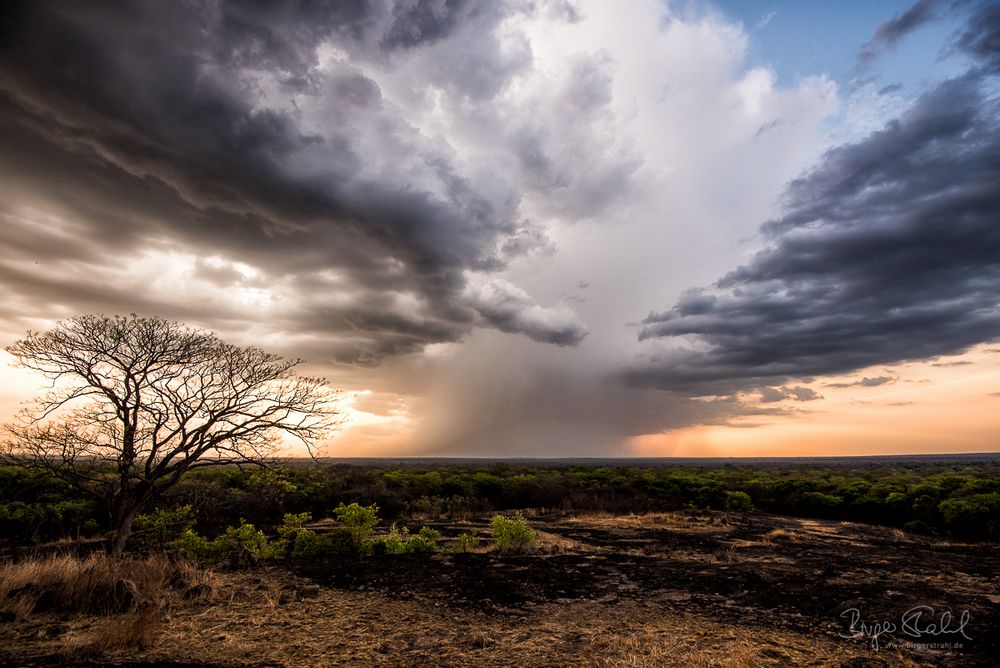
(531, 229)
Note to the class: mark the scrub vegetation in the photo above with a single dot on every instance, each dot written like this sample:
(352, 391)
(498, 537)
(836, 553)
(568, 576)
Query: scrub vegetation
(423, 563)
(215, 511)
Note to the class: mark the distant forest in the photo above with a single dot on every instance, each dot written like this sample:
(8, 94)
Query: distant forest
(957, 499)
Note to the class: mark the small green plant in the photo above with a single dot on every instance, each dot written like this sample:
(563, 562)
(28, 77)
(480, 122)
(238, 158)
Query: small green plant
(245, 536)
(297, 542)
(425, 541)
(199, 547)
(400, 541)
(467, 541)
(357, 519)
(395, 541)
(512, 534)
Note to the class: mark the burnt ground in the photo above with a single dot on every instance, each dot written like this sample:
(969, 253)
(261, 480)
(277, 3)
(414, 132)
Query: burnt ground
(746, 570)
(672, 589)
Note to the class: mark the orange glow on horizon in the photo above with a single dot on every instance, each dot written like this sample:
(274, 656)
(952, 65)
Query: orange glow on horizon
(950, 406)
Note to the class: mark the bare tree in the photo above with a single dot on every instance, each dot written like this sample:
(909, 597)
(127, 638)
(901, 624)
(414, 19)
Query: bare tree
(136, 402)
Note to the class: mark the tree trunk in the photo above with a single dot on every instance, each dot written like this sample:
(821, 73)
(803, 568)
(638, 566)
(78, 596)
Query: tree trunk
(123, 529)
(126, 506)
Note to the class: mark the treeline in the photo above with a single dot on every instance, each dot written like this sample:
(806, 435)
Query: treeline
(958, 500)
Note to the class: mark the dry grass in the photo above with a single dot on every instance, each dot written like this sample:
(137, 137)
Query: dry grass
(556, 544)
(138, 630)
(246, 620)
(263, 616)
(352, 628)
(95, 584)
(708, 522)
(127, 596)
(780, 534)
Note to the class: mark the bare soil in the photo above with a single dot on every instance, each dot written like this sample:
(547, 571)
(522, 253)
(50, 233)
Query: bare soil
(675, 589)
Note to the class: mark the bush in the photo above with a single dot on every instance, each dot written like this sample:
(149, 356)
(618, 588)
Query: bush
(467, 542)
(394, 542)
(294, 540)
(512, 534)
(738, 501)
(158, 529)
(976, 514)
(424, 542)
(245, 536)
(196, 545)
(399, 541)
(358, 520)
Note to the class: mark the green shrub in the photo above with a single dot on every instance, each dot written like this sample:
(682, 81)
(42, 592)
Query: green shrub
(158, 529)
(467, 542)
(976, 514)
(245, 536)
(358, 520)
(198, 546)
(738, 501)
(395, 541)
(512, 534)
(424, 542)
(917, 526)
(400, 541)
(310, 545)
(226, 544)
(297, 542)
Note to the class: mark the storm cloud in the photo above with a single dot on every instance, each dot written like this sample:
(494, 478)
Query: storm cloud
(892, 31)
(251, 134)
(454, 209)
(887, 251)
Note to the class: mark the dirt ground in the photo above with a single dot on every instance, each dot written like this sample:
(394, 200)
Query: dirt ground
(677, 589)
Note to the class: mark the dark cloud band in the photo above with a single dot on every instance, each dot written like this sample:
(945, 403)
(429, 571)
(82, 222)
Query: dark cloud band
(889, 250)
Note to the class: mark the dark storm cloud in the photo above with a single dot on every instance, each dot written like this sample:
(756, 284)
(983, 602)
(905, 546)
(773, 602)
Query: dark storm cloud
(774, 394)
(889, 250)
(865, 382)
(150, 125)
(888, 34)
(981, 39)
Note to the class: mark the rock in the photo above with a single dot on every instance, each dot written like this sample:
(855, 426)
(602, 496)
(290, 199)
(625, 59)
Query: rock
(125, 595)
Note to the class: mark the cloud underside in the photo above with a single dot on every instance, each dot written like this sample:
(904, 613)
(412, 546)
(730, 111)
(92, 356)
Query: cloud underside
(352, 182)
(252, 142)
(888, 250)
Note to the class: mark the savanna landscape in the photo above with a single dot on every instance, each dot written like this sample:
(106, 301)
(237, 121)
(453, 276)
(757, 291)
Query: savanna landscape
(499, 333)
(645, 563)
